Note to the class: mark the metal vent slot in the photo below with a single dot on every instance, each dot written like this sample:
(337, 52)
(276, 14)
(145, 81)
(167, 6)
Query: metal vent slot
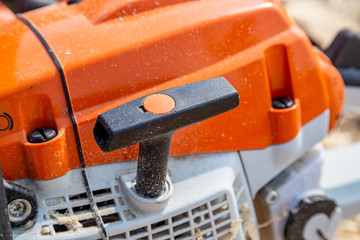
(138, 232)
(78, 197)
(60, 228)
(106, 204)
(88, 223)
(102, 192)
(82, 209)
(186, 235)
(58, 211)
(111, 218)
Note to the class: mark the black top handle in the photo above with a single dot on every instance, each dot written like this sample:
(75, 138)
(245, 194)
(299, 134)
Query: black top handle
(151, 120)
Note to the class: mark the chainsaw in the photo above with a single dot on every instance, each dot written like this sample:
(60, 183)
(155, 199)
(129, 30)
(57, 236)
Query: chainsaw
(168, 119)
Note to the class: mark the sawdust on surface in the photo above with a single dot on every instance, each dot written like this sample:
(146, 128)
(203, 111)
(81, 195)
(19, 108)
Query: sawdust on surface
(349, 229)
(71, 222)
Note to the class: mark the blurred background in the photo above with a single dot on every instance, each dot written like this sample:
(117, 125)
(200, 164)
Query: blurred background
(322, 20)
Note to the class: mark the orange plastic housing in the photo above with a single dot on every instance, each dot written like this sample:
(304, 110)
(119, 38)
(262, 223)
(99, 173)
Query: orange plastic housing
(114, 51)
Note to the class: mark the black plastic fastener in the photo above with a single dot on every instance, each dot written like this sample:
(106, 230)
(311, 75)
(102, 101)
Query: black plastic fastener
(282, 103)
(41, 135)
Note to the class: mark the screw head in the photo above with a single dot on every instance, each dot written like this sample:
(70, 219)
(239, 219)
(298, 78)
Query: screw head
(271, 197)
(19, 210)
(282, 103)
(41, 135)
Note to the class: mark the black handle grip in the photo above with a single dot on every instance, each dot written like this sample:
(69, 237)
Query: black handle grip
(131, 123)
(128, 124)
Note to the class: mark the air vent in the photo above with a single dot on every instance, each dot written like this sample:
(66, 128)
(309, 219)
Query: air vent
(211, 219)
(78, 214)
(204, 204)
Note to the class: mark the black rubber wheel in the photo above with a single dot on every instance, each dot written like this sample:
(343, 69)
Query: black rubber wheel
(307, 208)
(22, 205)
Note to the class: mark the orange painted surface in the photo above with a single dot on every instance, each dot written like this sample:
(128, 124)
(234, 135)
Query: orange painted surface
(113, 52)
(335, 86)
(288, 119)
(159, 104)
(43, 157)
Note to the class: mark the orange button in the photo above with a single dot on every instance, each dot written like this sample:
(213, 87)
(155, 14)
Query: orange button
(159, 104)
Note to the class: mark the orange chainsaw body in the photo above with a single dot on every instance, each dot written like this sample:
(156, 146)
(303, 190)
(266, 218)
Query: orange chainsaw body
(112, 52)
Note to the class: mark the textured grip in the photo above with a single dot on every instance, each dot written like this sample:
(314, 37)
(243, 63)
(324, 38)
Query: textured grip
(129, 124)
